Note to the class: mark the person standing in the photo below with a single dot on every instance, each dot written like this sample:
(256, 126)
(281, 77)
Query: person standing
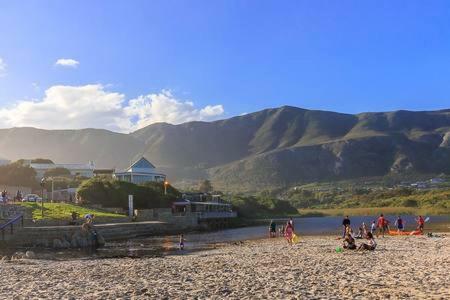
(272, 229)
(289, 232)
(399, 223)
(345, 224)
(421, 223)
(381, 223)
(373, 227)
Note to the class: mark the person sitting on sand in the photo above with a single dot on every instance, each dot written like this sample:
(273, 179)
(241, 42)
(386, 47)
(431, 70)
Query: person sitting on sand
(399, 224)
(272, 229)
(349, 242)
(359, 235)
(288, 232)
(364, 229)
(371, 244)
(380, 225)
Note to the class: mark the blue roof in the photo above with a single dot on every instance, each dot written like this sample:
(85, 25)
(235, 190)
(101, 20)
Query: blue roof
(143, 163)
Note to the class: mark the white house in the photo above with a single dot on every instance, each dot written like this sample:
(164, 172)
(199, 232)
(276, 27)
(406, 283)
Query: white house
(139, 172)
(84, 170)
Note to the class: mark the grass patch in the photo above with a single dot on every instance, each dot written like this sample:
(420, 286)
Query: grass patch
(63, 211)
(371, 211)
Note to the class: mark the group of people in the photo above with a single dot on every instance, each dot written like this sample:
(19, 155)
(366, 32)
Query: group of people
(349, 237)
(286, 231)
(4, 196)
(381, 226)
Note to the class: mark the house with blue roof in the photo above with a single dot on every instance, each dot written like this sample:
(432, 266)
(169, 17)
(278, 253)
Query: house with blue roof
(139, 172)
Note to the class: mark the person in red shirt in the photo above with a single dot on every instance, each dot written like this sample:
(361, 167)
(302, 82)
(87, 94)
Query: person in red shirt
(421, 223)
(381, 225)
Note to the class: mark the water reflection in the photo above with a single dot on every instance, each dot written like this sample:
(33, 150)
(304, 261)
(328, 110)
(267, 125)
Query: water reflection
(168, 245)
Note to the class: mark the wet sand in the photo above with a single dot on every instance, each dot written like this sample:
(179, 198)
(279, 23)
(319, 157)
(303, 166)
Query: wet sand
(408, 267)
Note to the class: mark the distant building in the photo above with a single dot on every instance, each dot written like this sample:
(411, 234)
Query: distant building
(139, 172)
(437, 180)
(104, 172)
(84, 170)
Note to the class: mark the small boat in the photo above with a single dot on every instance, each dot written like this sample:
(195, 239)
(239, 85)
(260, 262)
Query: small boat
(395, 232)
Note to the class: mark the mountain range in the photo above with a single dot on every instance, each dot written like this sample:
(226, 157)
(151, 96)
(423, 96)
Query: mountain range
(270, 148)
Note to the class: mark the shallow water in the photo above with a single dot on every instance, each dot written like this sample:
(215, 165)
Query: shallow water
(168, 245)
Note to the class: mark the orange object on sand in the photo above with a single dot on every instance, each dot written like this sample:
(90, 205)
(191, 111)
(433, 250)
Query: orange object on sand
(394, 232)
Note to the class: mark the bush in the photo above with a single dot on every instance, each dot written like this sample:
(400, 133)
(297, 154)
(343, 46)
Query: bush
(409, 203)
(253, 207)
(114, 193)
(18, 174)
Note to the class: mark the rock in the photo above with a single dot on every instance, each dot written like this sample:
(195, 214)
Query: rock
(6, 258)
(18, 255)
(57, 244)
(30, 254)
(100, 240)
(65, 244)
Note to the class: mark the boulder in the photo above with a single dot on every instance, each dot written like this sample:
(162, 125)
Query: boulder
(30, 254)
(57, 244)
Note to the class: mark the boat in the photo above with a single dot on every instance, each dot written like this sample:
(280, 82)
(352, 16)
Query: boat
(415, 232)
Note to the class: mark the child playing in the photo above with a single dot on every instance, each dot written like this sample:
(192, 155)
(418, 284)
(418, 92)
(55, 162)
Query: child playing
(371, 244)
(349, 242)
(373, 227)
(181, 245)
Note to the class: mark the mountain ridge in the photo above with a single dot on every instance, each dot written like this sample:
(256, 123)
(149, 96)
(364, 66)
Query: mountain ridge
(271, 147)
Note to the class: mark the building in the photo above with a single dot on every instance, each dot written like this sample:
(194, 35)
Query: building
(139, 172)
(104, 173)
(205, 206)
(83, 170)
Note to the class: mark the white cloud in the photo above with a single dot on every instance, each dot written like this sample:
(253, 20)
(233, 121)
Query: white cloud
(67, 62)
(164, 107)
(2, 67)
(74, 107)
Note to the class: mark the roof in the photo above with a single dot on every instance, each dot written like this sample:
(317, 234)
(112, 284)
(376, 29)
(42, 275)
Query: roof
(142, 163)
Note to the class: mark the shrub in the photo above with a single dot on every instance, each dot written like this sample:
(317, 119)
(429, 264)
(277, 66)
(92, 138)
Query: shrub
(409, 203)
(114, 193)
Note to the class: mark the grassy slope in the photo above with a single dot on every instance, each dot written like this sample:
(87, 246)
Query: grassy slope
(63, 211)
(369, 211)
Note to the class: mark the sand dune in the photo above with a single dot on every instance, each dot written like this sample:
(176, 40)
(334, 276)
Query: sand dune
(401, 267)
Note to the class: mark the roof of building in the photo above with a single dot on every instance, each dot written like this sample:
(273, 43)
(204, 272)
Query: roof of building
(142, 163)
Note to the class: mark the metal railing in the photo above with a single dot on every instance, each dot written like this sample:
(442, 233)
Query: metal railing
(216, 214)
(10, 223)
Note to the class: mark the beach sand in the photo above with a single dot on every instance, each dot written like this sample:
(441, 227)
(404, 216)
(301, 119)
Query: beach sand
(408, 267)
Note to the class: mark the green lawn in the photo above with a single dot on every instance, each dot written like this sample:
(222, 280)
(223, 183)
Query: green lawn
(63, 211)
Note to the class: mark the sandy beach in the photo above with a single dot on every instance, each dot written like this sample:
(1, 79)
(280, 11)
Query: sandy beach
(402, 267)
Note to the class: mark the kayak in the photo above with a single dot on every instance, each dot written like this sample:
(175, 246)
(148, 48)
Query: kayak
(395, 232)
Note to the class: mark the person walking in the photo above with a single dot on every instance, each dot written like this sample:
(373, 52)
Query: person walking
(289, 232)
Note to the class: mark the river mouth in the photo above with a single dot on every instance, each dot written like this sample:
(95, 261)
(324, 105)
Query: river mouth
(162, 246)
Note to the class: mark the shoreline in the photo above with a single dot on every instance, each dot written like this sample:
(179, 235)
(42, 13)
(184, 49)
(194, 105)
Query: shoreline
(400, 267)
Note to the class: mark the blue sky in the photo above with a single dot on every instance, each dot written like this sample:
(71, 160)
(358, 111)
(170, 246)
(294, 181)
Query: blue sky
(346, 56)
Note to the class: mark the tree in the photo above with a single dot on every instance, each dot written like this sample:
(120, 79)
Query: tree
(17, 174)
(114, 193)
(57, 172)
(41, 161)
(205, 186)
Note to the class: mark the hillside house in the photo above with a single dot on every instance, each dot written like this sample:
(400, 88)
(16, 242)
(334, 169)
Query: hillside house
(140, 172)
